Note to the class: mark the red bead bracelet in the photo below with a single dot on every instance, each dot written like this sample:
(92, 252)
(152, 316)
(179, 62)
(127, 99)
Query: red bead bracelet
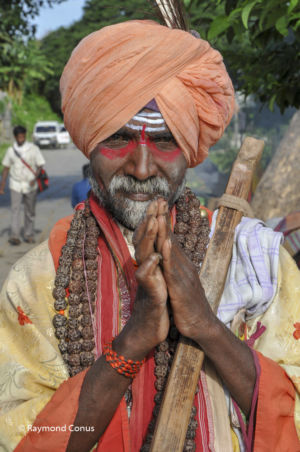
(125, 367)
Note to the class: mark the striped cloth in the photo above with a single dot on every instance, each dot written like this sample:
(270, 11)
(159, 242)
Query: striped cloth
(252, 275)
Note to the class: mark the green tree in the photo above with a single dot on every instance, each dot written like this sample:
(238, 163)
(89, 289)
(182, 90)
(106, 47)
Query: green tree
(260, 41)
(23, 65)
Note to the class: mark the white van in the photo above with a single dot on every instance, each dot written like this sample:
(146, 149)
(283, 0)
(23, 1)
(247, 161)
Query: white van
(63, 137)
(45, 133)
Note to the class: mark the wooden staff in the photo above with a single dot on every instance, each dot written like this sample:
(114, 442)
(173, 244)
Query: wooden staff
(175, 411)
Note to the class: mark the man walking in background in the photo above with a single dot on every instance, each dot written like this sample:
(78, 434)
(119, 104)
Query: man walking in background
(23, 161)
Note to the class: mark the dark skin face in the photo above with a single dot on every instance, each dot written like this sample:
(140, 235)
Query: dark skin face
(20, 138)
(128, 153)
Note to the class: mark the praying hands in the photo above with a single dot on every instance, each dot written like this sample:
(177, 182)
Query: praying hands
(166, 273)
(164, 267)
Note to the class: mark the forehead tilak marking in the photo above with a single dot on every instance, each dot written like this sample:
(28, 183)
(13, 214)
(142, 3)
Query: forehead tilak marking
(145, 118)
(148, 129)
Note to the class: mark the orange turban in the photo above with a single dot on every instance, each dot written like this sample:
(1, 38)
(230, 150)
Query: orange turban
(114, 72)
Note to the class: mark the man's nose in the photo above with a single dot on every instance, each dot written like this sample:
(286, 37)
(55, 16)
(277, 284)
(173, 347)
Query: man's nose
(141, 164)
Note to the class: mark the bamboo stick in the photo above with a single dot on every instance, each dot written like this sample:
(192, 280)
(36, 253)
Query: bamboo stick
(174, 416)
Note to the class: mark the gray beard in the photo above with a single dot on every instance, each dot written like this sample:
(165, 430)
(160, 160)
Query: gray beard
(128, 212)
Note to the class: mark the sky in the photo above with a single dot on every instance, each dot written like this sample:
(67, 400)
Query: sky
(60, 15)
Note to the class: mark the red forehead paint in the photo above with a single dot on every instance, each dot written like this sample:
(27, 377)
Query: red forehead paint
(120, 153)
(143, 135)
(167, 155)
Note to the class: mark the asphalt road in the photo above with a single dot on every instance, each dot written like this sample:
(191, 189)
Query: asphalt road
(64, 169)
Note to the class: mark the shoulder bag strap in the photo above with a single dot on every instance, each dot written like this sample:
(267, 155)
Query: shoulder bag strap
(23, 161)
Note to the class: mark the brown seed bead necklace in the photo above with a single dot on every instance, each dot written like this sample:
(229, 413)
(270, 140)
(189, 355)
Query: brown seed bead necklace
(75, 290)
(78, 262)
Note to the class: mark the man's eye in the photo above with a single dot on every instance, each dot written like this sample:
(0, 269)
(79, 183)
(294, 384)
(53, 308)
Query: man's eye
(117, 140)
(165, 144)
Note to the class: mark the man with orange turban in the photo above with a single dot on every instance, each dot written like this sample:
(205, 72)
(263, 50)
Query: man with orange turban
(90, 319)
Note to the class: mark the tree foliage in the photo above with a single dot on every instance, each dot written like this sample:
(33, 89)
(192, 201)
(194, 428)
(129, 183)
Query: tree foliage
(22, 64)
(16, 15)
(260, 40)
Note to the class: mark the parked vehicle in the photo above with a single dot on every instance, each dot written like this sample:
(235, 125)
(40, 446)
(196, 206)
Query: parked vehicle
(45, 133)
(63, 137)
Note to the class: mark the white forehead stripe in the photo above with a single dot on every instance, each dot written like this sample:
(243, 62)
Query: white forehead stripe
(148, 129)
(148, 120)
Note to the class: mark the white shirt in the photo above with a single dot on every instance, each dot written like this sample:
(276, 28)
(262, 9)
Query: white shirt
(20, 175)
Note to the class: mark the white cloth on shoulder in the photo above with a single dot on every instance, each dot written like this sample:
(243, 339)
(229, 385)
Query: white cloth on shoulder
(252, 275)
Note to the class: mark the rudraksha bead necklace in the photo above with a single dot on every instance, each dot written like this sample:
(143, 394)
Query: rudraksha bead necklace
(75, 292)
(77, 289)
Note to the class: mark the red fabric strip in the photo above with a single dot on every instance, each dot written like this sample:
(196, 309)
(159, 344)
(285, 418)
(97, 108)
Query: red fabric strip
(248, 432)
(116, 436)
(116, 242)
(202, 432)
(143, 390)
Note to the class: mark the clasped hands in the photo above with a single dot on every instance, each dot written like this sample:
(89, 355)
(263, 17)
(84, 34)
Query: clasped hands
(165, 273)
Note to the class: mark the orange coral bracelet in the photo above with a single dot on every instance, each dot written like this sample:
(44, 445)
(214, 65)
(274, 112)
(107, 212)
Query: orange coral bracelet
(125, 367)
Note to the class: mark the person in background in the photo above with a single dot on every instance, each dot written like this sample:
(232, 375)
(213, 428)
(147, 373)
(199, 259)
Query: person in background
(22, 183)
(80, 189)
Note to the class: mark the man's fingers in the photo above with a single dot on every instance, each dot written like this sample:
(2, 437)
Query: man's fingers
(166, 253)
(147, 268)
(163, 226)
(162, 206)
(162, 232)
(167, 261)
(140, 230)
(152, 208)
(146, 245)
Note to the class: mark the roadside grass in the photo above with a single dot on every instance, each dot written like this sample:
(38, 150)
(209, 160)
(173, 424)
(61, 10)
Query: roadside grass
(3, 148)
(33, 108)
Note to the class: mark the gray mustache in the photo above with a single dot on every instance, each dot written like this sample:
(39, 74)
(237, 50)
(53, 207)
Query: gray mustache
(153, 185)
